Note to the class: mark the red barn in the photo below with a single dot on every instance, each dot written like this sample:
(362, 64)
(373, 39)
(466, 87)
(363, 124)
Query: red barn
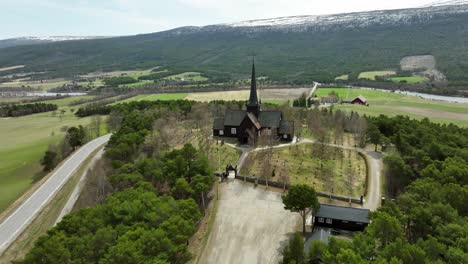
(359, 100)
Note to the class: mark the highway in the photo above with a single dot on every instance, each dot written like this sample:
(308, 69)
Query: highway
(19, 219)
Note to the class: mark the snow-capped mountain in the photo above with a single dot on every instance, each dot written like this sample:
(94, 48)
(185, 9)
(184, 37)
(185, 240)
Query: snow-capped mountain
(42, 39)
(340, 21)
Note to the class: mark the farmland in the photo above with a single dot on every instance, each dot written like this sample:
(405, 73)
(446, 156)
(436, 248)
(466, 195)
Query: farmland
(22, 145)
(372, 74)
(412, 79)
(392, 104)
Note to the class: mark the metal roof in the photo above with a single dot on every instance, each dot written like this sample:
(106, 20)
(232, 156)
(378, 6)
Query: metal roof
(343, 213)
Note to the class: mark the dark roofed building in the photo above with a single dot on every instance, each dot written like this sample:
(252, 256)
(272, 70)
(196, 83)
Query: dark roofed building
(242, 123)
(340, 217)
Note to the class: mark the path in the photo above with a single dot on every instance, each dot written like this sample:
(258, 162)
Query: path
(14, 224)
(312, 91)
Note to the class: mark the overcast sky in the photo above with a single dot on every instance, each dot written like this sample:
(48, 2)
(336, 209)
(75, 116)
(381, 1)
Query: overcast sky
(128, 17)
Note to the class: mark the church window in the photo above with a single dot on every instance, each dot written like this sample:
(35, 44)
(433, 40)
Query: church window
(221, 132)
(233, 131)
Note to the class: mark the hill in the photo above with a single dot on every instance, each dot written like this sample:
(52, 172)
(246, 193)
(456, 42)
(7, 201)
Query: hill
(289, 49)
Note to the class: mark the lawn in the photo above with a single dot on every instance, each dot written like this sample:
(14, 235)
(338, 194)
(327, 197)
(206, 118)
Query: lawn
(22, 145)
(335, 169)
(412, 79)
(372, 74)
(391, 104)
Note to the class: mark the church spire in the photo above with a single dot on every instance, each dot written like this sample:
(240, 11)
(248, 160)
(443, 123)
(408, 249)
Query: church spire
(252, 104)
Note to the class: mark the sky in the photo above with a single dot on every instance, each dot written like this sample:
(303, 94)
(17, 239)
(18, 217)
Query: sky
(129, 17)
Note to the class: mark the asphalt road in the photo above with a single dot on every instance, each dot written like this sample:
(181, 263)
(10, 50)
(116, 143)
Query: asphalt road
(16, 222)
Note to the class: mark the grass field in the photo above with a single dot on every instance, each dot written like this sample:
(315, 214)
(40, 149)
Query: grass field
(412, 79)
(187, 76)
(155, 97)
(22, 145)
(392, 104)
(372, 74)
(344, 77)
(305, 166)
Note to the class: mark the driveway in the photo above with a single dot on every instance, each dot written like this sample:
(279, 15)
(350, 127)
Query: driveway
(251, 226)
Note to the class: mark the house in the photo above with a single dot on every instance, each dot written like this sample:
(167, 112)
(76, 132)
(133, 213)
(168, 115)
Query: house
(358, 100)
(252, 122)
(331, 99)
(342, 218)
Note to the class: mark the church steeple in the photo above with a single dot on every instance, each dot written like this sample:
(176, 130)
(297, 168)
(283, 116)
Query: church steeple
(253, 105)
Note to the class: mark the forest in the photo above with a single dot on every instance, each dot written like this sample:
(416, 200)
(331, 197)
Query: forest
(154, 205)
(15, 110)
(427, 222)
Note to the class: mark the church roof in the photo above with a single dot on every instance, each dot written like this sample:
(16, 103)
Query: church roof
(286, 127)
(234, 117)
(270, 119)
(218, 123)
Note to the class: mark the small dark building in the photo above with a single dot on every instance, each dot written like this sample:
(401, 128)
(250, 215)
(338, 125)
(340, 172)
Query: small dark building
(343, 218)
(253, 122)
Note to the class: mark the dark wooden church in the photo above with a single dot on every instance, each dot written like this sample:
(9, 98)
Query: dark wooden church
(253, 122)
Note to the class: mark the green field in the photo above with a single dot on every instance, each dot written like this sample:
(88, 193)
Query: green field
(388, 103)
(22, 145)
(344, 77)
(188, 76)
(372, 74)
(412, 79)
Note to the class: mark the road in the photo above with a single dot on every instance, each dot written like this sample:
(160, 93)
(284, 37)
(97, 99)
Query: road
(79, 187)
(374, 165)
(17, 221)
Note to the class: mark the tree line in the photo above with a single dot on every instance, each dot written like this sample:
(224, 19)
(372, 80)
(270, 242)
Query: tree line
(26, 109)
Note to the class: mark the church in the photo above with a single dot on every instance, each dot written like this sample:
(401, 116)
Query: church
(251, 123)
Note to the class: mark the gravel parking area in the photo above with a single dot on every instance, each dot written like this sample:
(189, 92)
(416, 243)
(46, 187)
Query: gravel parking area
(251, 226)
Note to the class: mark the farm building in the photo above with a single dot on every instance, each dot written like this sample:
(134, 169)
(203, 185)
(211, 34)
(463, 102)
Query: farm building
(340, 217)
(331, 99)
(358, 100)
(250, 123)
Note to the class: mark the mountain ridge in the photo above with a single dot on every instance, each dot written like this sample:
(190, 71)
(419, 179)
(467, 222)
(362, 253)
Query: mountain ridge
(298, 49)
